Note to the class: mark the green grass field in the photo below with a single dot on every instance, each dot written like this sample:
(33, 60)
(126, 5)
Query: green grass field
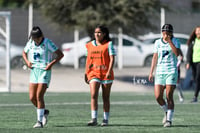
(70, 112)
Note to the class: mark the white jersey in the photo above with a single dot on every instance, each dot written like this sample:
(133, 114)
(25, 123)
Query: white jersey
(40, 55)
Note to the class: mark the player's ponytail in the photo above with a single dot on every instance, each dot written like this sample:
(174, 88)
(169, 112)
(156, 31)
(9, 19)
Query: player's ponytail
(36, 32)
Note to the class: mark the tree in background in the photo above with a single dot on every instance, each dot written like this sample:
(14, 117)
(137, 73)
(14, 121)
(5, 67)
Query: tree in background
(130, 15)
(11, 3)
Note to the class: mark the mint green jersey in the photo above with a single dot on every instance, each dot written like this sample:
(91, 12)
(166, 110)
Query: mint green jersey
(40, 55)
(167, 60)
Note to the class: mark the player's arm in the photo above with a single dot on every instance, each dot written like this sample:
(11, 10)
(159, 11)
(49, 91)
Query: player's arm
(112, 54)
(153, 64)
(25, 57)
(86, 65)
(59, 56)
(111, 64)
(180, 53)
(175, 50)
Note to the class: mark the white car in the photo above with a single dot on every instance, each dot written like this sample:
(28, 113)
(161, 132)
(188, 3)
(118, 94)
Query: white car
(135, 53)
(150, 39)
(15, 55)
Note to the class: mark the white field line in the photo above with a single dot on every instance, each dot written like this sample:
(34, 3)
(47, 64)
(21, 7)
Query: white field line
(88, 103)
(83, 103)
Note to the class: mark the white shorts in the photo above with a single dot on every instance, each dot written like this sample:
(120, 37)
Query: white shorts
(100, 81)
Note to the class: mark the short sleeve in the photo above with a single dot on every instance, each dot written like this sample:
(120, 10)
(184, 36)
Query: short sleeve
(111, 49)
(27, 47)
(51, 46)
(176, 42)
(155, 48)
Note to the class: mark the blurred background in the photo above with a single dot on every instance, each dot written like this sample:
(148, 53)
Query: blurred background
(59, 18)
(69, 22)
(62, 20)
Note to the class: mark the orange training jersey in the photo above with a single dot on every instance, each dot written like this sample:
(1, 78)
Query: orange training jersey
(98, 60)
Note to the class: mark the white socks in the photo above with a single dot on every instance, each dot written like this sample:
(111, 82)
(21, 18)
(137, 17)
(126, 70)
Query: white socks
(170, 114)
(40, 114)
(164, 107)
(106, 115)
(94, 114)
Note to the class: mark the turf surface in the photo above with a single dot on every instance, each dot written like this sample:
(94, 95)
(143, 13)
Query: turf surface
(69, 113)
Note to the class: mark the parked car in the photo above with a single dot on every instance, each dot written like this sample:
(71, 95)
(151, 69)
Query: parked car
(134, 52)
(150, 39)
(15, 55)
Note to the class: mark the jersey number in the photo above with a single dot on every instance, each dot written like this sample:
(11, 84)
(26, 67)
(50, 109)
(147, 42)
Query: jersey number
(36, 56)
(164, 53)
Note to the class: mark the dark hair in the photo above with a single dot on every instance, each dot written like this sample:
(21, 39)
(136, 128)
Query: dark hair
(36, 32)
(192, 36)
(167, 27)
(105, 30)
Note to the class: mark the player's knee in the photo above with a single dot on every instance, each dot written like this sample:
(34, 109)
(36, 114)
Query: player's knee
(94, 96)
(39, 98)
(32, 98)
(159, 98)
(106, 100)
(169, 99)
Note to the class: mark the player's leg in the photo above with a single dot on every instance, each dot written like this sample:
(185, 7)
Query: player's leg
(197, 81)
(194, 72)
(160, 81)
(94, 91)
(44, 79)
(159, 91)
(40, 104)
(179, 88)
(171, 80)
(180, 92)
(106, 88)
(33, 86)
(170, 100)
(32, 93)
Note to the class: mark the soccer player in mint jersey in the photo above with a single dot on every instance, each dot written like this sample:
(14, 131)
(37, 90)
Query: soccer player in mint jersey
(166, 51)
(38, 57)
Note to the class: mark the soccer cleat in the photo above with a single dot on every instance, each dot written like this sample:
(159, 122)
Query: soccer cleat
(44, 120)
(104, 123)
(164, 119)
(38, 125)
(167, 124)
(93, 122)
(194, 100)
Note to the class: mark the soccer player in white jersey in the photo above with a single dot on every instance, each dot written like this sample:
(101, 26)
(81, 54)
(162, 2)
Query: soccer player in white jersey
(166, 51)
(38, 57)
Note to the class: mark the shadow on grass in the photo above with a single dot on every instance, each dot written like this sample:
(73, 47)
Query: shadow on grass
(125, 125)
(134, 125)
